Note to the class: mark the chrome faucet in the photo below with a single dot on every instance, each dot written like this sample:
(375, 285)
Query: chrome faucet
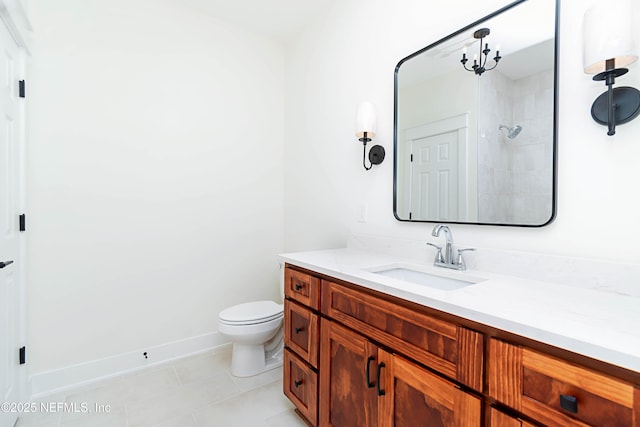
(447, 259)
(448, 249)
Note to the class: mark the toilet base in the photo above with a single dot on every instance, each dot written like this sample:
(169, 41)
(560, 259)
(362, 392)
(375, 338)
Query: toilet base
(248, 360)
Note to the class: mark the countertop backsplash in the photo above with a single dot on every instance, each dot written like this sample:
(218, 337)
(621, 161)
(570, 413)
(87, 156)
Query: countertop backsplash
(571, 271)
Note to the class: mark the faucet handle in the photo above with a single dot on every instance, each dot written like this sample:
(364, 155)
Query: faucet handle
(439, 256)
(460, 262)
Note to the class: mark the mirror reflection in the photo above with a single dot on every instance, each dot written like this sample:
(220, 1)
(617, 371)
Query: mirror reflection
(474, 123)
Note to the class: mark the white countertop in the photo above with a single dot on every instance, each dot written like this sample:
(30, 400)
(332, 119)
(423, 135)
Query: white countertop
(600, 325)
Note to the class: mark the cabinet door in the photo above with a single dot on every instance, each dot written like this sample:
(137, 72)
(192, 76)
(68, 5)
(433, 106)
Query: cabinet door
(500, 419)
(348, 387)
(414, 396)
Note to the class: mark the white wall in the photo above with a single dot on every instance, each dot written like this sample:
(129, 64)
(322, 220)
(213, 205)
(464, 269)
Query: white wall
(351, 57)
(154, 172)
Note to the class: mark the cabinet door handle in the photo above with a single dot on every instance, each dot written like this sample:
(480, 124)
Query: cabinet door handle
(298, 286)
(370, 384)
(298, 330)
(569, 403)
(381, 391)
(3, 264)
(297, 383)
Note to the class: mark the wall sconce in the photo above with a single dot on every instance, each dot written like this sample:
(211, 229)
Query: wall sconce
(482, 56)
(365, 130)
(607, 48)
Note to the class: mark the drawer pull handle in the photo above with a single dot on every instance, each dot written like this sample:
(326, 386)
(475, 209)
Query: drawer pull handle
(381, 391)
(370, 384)
(298, 330)
(297, 383)
(298, 286)
(569, 403)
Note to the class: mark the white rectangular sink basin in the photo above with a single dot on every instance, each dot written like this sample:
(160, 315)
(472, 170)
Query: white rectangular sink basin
(431, 280)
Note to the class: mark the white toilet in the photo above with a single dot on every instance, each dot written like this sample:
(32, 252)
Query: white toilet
(257, 332)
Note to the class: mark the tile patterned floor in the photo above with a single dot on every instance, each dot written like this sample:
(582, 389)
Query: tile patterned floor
(193, 392)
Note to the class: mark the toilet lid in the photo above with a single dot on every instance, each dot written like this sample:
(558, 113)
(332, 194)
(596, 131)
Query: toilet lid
(252, 312)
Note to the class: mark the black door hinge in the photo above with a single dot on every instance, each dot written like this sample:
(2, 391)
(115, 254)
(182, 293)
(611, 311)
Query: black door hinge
(21, 87)
(23, 222)
(410, 215)
(23, 355)
(412, 157)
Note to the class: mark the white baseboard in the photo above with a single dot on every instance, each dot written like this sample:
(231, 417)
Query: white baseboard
(70, 377)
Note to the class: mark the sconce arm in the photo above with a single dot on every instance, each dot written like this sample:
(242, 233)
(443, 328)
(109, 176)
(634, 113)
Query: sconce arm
(364, 155)
(612, 111)
(376, 153)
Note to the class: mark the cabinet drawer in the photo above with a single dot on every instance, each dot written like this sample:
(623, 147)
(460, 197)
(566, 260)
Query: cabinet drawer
(450, 349)
(302, 287)
(301, 386)
(556, 392)
(301, 331)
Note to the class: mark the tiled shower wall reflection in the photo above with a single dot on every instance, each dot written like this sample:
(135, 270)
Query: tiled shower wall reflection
(514, 175)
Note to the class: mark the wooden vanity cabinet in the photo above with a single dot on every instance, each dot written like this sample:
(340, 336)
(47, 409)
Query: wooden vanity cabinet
(364, 360)
(558, 393)
(358, 358)
(364, 385)
(367, 384)
(450, 349)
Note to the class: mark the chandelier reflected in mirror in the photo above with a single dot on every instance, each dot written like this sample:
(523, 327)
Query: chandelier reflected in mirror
(480, 60)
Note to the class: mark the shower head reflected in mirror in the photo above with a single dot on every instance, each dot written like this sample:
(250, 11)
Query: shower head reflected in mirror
(512, 132)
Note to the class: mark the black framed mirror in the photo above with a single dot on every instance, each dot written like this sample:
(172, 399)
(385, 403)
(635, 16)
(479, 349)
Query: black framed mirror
(477, 145)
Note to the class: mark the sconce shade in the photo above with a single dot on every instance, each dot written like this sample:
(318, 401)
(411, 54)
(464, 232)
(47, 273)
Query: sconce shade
(607, 35)
(366, 120)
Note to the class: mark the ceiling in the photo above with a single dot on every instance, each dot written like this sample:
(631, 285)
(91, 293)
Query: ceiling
(524, 33)
(277, 19)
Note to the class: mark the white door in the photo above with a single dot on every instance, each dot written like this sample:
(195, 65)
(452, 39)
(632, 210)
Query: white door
(440, 170)
(10, 117)
(434, 177)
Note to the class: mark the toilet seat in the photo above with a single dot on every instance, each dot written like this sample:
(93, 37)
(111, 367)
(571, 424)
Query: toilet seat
(251, 313)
